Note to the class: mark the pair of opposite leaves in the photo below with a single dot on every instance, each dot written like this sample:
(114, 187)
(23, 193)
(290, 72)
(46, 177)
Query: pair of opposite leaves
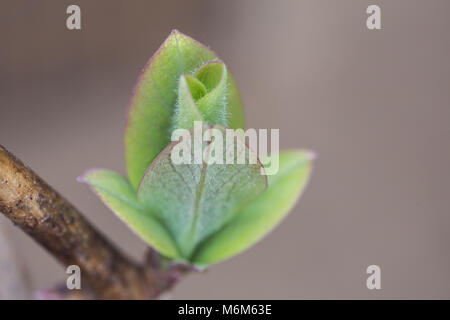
(196, 213)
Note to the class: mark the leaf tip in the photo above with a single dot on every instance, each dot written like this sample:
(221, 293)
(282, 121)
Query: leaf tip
(84, 177)
(174, 32)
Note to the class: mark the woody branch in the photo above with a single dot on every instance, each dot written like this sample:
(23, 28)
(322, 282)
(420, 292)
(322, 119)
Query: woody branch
(35, 207)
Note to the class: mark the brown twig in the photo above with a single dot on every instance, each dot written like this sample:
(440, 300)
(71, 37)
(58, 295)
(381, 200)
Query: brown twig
(36, 208)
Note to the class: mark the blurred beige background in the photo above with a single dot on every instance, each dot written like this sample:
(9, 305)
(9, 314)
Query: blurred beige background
(375, 106)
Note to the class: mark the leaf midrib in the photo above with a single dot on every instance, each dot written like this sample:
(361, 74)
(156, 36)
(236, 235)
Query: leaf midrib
(197, 212)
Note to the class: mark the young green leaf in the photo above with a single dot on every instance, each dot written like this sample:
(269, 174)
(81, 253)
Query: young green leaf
(263, 214)
(213, 105)
(196, 87)
(203, 97)
(116, 192)
(194, 200)
(187, 111)
(152, 105)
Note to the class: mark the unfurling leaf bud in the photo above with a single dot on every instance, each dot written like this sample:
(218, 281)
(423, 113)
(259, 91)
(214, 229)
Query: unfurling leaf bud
(199, 212)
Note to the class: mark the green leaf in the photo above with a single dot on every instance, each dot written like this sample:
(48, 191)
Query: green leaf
(187, 111)
(116, 192)
(196, 199)
(154, 98)
(213, 105)
(196, 87)
(263, 214)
